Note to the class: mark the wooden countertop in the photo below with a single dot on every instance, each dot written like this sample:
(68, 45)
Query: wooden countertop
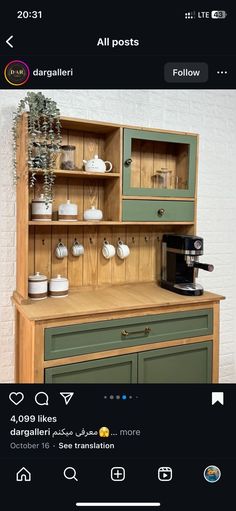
(109, 299)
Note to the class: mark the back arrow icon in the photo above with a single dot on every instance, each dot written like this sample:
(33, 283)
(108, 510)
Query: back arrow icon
(8, 41)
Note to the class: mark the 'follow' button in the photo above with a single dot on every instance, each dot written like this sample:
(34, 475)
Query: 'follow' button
(186, 72)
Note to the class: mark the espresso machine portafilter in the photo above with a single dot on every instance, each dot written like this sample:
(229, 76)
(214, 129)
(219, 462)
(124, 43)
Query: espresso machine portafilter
(180, 264)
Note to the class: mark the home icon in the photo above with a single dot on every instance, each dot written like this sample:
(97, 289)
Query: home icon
(23, 475)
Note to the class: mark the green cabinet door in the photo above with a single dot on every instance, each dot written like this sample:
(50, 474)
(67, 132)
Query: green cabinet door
(121, 369)
(191, 363)
(159, 164)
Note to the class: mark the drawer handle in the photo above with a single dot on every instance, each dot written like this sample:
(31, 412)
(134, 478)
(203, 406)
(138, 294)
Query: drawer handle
(128, 162)
(161, 212)
(146, 331)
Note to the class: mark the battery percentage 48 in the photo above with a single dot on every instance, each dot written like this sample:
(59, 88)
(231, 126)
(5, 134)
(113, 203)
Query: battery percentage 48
(217, 15)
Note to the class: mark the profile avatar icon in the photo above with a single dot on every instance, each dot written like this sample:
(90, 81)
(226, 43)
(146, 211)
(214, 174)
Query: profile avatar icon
(104, 431)
(17, 73)
(212, 474)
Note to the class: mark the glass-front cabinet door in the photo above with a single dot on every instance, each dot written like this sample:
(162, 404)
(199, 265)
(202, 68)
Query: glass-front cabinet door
(159, 164)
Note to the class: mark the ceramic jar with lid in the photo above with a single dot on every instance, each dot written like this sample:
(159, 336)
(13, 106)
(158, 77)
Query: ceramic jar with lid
(41, 210)
(37, 286)
(58, 287)
(93, 214)
(68, 212)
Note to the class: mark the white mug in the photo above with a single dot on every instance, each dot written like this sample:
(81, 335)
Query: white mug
(123, 250)
(61, 250)
(77, 249)
(108, 250)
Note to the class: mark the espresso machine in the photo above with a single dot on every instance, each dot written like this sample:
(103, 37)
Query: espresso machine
(180, 264)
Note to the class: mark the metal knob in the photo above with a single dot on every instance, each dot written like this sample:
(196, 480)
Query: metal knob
(128, 162)
(161, 212)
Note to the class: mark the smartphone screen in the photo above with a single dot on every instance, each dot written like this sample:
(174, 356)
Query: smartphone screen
(117, 242)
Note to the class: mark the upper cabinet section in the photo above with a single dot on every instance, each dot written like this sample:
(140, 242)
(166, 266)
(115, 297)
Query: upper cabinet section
(159, 164)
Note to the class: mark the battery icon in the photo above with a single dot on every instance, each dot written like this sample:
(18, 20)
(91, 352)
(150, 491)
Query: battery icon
(218, 15)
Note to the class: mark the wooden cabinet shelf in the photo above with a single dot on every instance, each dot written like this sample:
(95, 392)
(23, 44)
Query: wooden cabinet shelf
(103, 222)
(80, 174)
(145, 197)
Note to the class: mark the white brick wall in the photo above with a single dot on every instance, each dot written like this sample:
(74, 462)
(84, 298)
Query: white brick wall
(212, 114)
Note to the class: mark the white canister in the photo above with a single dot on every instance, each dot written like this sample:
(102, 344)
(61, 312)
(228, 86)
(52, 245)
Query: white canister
(41, 210)
(37, 286)
(58, 287)
(93, 214)
(68, 212)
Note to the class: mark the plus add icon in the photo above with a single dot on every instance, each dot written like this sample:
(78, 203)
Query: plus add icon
(117, 474)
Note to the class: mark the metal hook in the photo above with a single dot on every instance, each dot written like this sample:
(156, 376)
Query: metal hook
(146, 238)
(43, 242)
(91, 240)
(133, 239)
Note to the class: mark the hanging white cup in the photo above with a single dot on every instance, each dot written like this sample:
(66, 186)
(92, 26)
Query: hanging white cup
(122, 250)
(77, 249)
(61, 250)
(108, 250)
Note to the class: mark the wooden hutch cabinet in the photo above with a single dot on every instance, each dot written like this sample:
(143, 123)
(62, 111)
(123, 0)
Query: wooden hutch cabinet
(117, 325)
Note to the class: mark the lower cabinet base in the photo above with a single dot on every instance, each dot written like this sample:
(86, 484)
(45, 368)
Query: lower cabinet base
(190, 363)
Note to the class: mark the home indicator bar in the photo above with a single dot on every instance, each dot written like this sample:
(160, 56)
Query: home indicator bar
(118, 504)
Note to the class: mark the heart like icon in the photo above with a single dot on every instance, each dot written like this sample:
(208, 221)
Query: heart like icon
(16, 397)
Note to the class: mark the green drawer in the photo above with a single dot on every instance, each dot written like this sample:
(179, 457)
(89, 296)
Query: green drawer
(122, 369)
(72, 340)
(157, 211)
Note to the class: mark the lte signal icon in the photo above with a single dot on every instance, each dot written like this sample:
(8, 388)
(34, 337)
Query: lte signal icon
(189, 15)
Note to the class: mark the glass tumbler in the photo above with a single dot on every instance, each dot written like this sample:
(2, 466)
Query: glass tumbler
(68, 157)
(164, 178)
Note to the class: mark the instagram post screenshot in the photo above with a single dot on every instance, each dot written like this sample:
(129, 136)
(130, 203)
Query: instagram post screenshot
(117, 257)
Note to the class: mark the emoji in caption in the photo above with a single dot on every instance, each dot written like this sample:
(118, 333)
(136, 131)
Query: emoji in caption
(104, 431)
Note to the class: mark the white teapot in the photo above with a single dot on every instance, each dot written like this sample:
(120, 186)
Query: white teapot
(97, 165)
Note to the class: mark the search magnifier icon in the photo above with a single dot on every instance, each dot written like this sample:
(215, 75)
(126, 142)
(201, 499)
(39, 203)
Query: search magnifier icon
(70, 473)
